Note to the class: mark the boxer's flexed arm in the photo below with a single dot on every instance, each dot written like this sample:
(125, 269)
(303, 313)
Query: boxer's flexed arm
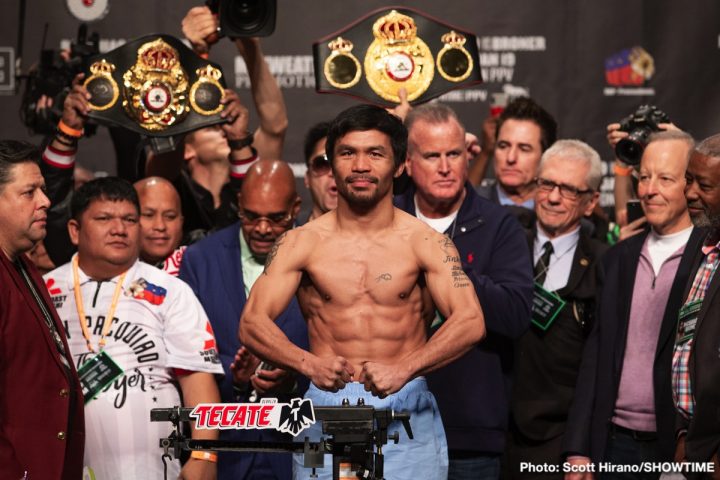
(270, 295)
(455, 298)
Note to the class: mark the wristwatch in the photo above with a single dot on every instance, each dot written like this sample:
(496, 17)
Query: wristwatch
(242, 143)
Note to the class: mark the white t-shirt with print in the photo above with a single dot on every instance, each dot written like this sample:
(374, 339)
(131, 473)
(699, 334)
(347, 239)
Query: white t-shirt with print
(158, 326)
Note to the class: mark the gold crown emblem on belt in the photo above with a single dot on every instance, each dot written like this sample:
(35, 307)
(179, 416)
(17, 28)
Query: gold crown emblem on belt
(158, 55)
(395, 28)
(398, 58)
(156, 87)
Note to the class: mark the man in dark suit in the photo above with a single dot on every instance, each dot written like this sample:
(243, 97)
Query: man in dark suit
(221, 269)
(525, 130)
(622, 411)
(547, 357)
(42, 431)
(473, 391)
(696, 356)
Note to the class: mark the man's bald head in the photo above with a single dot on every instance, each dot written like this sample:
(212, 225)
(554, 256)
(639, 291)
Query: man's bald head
(268, 204)
(156, 186)
(161, 218)
(273, 176)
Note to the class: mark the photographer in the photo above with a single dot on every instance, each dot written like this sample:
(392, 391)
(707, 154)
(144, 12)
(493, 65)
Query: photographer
(624, 190)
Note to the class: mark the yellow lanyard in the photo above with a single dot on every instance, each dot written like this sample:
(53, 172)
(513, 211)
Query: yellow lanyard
(81, 309)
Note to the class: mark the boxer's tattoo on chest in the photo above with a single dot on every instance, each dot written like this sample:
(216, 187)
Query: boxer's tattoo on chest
(384, 277)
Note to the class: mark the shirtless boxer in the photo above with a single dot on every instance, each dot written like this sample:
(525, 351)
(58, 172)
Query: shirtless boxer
(359, 273)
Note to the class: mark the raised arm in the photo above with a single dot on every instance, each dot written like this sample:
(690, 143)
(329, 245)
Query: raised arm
(58, 167)
(200, 28)
(268, 99)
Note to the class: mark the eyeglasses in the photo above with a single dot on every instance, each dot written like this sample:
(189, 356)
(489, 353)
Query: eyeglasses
(566, 191)
(320, 165)
(277, 220)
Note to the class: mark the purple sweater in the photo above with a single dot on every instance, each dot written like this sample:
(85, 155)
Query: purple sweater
(635, 404)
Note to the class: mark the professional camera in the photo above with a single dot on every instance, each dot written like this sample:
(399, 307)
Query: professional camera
(52, 78)
(640, 125)
(245, 18)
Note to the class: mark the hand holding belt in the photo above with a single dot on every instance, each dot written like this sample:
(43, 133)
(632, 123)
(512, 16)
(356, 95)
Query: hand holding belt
(155, 86)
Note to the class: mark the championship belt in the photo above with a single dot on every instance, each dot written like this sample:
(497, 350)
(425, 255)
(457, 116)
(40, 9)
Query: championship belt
(155, 86)
(402, 48)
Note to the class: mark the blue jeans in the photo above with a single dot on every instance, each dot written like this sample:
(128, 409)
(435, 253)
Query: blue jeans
(481, 467)
(425, 457)
(623, 449)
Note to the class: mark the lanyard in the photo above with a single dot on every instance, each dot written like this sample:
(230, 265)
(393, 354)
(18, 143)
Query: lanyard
(81, 309)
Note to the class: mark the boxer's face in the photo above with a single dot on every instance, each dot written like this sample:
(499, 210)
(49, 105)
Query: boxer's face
(364, 167)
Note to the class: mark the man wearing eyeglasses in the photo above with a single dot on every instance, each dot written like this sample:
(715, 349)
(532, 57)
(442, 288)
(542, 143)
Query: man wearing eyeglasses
(221, 269)
(471, 391)
(565, 259)
(319, 179)
(623, 410)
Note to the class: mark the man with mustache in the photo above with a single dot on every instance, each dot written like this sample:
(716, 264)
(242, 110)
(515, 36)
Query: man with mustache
(696, 369)
(42, 432)
(359, 273)
(221, 269)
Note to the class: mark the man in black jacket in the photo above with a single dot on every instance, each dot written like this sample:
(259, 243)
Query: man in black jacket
(696, 357)
(472, 392)
(547, 357)
(622, 412)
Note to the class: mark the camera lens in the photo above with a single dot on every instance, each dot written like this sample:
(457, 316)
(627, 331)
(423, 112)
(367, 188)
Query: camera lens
(248, 15)
(630, 149)
(629, 152)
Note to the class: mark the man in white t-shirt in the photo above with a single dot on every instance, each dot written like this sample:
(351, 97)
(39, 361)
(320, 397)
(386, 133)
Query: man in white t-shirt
(623, 411)
(472, 391)
(159, 337)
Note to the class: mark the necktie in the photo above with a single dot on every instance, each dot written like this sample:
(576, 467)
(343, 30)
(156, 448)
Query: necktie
(541, 267)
